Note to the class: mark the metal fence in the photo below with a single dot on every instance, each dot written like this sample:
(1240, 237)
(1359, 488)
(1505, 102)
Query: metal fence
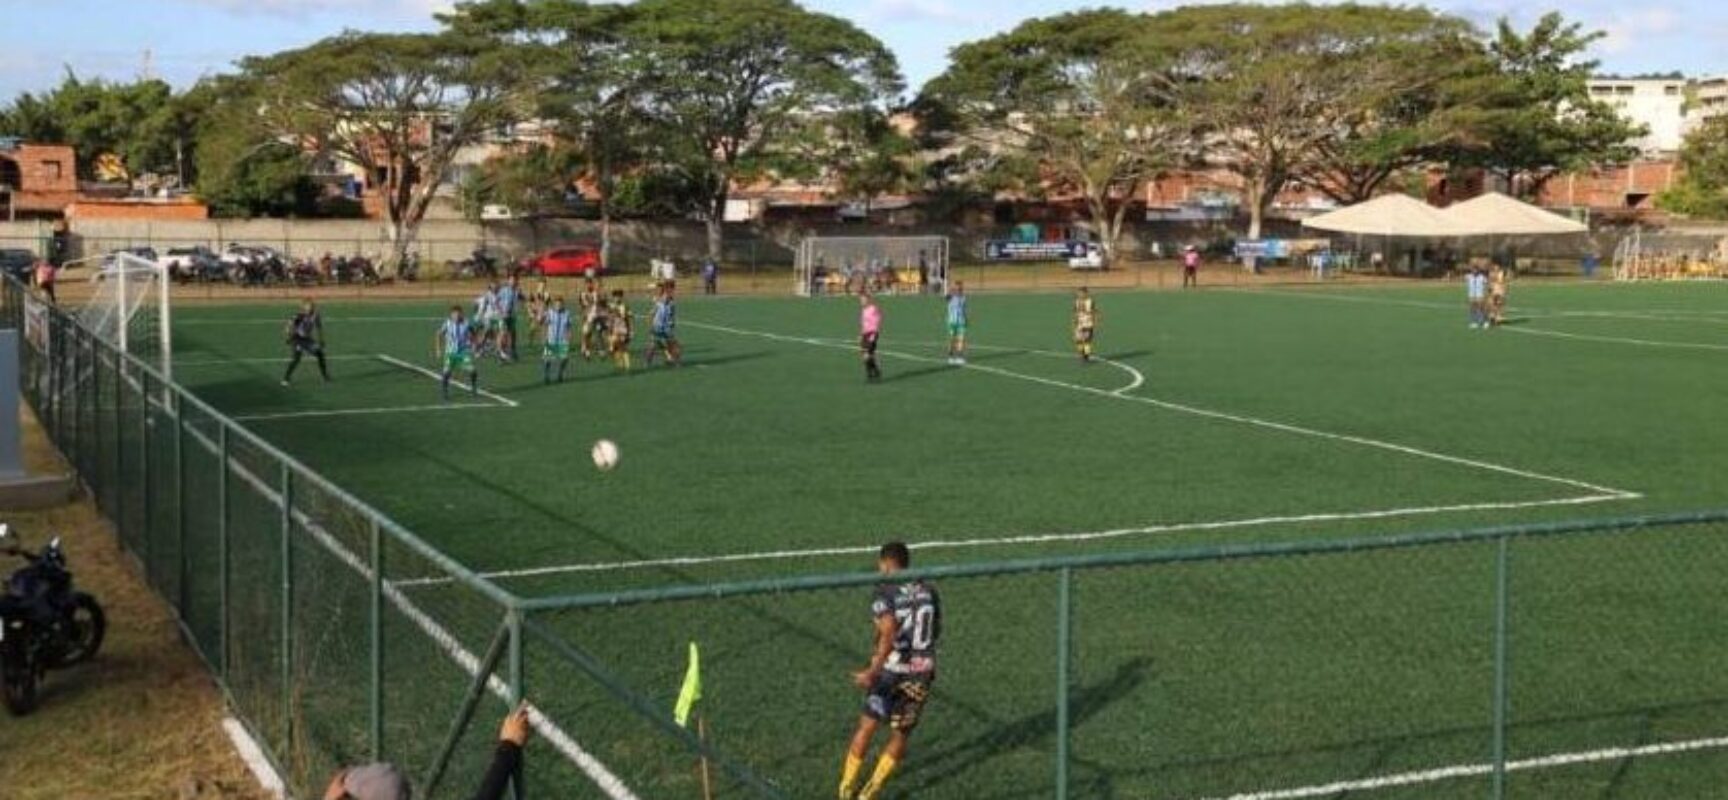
(1531, 660)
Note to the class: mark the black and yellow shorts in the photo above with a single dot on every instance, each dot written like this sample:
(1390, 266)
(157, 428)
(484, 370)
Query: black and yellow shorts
(898, 700)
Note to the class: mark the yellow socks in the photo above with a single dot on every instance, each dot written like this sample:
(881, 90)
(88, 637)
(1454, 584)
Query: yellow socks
(884, 768)
(849, 775)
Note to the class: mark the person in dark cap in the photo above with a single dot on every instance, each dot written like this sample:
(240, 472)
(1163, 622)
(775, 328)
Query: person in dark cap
(369, 782)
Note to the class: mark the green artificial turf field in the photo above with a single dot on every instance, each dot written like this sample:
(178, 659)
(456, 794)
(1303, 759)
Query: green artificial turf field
(1219, 416)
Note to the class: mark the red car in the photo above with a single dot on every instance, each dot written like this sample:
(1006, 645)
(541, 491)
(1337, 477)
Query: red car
(577, 261)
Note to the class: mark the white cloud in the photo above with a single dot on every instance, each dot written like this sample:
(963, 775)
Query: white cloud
(298, 8)
(1626, 30)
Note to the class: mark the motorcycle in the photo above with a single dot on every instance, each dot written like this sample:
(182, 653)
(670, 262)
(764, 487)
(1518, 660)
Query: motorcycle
(44, 622)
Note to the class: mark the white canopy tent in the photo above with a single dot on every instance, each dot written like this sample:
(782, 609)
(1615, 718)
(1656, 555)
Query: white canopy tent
(1390, 215)
(1495, 214)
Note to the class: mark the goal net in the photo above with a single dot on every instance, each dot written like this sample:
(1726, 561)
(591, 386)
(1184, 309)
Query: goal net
(851, 264)
(129, 309)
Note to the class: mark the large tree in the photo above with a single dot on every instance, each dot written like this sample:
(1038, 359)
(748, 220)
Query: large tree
(727, 87)
(1274, 86)
(1085, 100)
(582, 87)
(143, 123)
(400, 106)
(1538, 119)
(1703, 188)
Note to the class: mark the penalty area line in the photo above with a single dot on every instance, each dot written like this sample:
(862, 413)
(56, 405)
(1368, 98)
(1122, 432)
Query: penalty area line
(397, 362)
(1026, 539)
(348, 412)
(1477, 770)
(1240, 419)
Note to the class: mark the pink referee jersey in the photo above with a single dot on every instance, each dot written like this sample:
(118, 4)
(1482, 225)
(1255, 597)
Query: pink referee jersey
(871, 320)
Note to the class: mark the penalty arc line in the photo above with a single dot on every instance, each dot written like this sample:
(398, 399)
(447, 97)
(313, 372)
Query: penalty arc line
(1478, 770)
(1229, 417)
(1584, 337)
(394, 361)
(597, 771)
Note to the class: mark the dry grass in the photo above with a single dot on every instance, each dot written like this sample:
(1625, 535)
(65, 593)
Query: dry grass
(141, 721)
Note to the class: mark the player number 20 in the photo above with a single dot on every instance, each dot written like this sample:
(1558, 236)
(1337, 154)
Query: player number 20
(923, 627)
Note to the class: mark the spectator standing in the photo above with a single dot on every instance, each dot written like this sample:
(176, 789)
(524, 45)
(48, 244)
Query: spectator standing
(710, 276)
(45, 273)
(1191, 267)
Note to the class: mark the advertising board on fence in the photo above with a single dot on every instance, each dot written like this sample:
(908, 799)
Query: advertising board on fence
(1004, 250)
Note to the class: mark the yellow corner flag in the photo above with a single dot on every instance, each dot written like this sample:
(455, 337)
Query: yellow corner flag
(692, 690)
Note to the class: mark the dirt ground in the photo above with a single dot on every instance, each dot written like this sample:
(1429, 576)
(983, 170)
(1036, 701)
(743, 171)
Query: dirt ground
(142, 721)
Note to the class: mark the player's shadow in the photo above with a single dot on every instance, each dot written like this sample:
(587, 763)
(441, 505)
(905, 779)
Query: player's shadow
(1127, 355)
(1034, 731)
(588, 374)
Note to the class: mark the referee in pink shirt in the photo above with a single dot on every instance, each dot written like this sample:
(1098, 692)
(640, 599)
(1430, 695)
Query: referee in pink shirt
(869, 328)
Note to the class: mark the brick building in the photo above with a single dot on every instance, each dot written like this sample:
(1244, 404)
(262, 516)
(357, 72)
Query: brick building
(36, 180)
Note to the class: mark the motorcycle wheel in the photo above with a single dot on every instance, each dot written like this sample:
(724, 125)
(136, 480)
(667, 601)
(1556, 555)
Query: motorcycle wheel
(86, 627)
(19, 692)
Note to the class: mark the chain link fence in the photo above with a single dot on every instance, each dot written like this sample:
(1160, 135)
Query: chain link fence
(1540, 660)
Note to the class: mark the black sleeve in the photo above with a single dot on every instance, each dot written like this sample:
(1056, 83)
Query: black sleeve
(505, 762)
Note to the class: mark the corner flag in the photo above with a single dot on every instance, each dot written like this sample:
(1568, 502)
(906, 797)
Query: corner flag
(692, 690)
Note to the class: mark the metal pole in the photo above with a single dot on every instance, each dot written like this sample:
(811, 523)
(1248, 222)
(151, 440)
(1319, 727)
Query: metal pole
(1502, 567)
(376, 613)
(465, 714)
(144, 435)
(1064, 654)
(222, 545)
(179, 500)
(286, 664)
(518, 689)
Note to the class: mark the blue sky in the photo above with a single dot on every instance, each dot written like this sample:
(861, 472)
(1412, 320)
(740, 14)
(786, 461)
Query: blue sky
(189, 38)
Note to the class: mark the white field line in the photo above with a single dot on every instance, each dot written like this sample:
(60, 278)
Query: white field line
(1478, 770)
(223, 362)
(278, 322)
(1597, 494)
(1585, 337)
(394, 361)
(249, 751)
(1039, 538)
(598, 772)
(1136, 378)
(1224, 416)
(1531, 314)
(348, 412)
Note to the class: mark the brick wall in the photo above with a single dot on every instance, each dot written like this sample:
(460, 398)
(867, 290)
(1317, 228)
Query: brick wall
(47, 177)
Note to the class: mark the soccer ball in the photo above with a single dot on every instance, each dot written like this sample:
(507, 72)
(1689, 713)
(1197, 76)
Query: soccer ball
(605, 455)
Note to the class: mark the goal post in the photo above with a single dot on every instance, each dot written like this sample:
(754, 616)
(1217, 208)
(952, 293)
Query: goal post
(849, 264)
(130, 309)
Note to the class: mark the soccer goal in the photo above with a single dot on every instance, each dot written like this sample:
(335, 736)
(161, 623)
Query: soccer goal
(130, 309)
(850, 264)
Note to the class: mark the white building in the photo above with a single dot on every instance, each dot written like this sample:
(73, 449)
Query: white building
(1709, 99)
(1659, 104)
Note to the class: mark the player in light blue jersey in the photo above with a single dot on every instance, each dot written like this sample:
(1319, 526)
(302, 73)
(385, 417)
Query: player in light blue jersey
(663, 324)
(488, 323)
(509, 302)
(454, 345)
(556, 323)
(957, 324)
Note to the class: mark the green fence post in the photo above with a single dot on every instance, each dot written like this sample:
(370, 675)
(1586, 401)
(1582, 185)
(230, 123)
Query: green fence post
(119, 510)
(180, 500)
(376, 612)
(1502, 566)
(1064, 654)
(222, 545)
(144, 451)
(518, 689)
(286, 663)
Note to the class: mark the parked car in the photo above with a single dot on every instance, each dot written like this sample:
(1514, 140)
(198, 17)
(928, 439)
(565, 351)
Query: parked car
(580, 260)
(197, 263)
(17, 262)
